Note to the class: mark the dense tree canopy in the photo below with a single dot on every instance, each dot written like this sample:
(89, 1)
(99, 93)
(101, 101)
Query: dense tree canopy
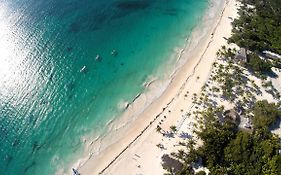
(258, 28)
(227, 150)
(257, 64)
(265, 114)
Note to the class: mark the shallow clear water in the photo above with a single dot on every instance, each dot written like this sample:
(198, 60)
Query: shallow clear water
(47, 104)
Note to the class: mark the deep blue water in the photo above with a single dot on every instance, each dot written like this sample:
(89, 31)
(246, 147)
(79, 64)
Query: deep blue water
(47, 103)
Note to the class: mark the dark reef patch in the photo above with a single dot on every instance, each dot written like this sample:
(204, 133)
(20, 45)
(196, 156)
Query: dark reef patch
(29, 166)
(133, 5)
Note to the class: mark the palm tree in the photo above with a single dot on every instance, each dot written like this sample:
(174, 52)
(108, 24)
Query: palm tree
(223, 47)
(218, 54)
(181, 154)
(159, 145)
(191, 144)
(173, 128)
(159, 129)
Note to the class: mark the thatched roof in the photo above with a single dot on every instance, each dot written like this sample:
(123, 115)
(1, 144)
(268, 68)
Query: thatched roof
(171, 164)
(232, 116)
(241, 55)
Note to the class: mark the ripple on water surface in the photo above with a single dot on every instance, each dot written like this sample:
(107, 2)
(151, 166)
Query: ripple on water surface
(54, 90)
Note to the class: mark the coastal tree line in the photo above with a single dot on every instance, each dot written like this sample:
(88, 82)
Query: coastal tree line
(228, 149)
(258, 29)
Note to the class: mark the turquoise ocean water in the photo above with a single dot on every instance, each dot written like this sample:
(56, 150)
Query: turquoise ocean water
(47, 104)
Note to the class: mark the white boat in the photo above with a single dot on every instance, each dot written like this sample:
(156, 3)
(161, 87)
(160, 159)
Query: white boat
(114, 53)
(83, 69)
(98, 58)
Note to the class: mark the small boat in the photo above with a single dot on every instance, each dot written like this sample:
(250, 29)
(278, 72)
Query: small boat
(75, 172)
(114, 53)
(98, 58)
(83, 69)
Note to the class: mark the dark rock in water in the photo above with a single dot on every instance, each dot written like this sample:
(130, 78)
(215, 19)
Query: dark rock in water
(122, 64)
(92, 20)
(126, 8)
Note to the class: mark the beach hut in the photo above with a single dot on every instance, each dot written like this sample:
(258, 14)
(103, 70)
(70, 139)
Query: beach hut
(171, 164)
(232, 116)
(241, 56)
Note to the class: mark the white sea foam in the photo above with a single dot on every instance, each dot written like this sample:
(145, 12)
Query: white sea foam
(154, 86)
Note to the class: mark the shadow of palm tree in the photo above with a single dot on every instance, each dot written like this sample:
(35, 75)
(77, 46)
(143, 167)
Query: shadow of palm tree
(185, 135)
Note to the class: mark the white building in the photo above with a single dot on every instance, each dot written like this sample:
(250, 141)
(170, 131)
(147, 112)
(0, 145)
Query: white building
(271, 55)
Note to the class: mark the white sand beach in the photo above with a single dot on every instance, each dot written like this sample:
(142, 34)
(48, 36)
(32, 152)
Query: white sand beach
(136, 152)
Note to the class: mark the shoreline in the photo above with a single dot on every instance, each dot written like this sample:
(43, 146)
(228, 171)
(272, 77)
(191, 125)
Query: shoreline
(158, 107)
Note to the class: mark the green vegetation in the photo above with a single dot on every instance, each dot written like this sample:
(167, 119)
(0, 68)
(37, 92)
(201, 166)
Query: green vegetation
(265, 114)
(173, 128)
(258, 28)
(227, 86)
(230, 79)
(226, 53)
(215, 136)
(227, 150)
(276, 63)
(201, 173)
(271, 89)
(257, 64)
(255, 153)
